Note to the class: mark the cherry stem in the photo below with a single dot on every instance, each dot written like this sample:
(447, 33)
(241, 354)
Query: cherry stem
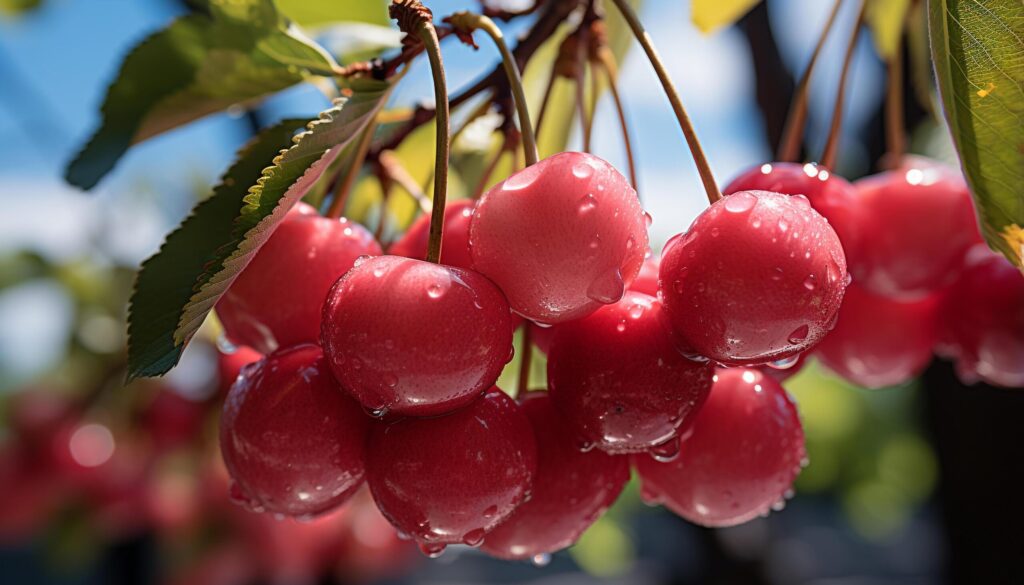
(387, 186)
(545, 100)
(895, 141)
(393, 169)
(525, 361)
(607, 63)
(829, 154)
(415, 19)
(796, 120)
(699, 158)
(337, 207)
(471, 21)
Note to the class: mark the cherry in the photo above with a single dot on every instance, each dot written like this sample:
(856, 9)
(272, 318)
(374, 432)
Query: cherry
(619, 380)
(744, 450)
(291, 439)
(413, 337)
(878, 341)
(561, 237)
(229, 365)
(571, 489)
(759, 277)
(830, 195)
(275, 302)
(172, 420)
(454, 243)
(647, 280)
(917, 223)
(982, 321)
(452, 479)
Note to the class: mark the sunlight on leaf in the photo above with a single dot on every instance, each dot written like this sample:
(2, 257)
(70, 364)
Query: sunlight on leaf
(711, 15)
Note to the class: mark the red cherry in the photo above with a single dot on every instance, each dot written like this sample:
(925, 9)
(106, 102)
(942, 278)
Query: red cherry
(291, 439)
(830, 195)
(229, 365)
(917, 224)
(172, 419)
(452, 479)
(454, 243)
(745, 449)
(413, 337)
(619, 380)
(982, 321)
(571, 490)
(879, 341)
(276, 301)
(560, 238)
(759, 277)
(647, 280)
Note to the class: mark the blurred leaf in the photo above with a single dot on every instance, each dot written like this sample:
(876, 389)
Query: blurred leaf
(15, 7)
(317, 12)
(711, 15)
(358, 41)
(202, 63)
(977, 49)
(179, 286)
(886, 19)
(604, 549)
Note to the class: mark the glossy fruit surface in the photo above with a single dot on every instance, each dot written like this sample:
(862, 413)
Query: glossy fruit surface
(415, 338)
(758, 277)
(830, 195)
(741, 455)
(454, 243)
(229, 365)
(647, 280)
(452, 479)
(918, 222)
(561, 237)
(619, 380)
(878, 341)
(276, 301)
(291, 439)
(982, 321)
(571, 489)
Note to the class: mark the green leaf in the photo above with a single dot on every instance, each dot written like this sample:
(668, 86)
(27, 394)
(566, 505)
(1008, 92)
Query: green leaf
(179, 286)
(711, 15)
(319, 12)
(978, 50)
(886, 19)
(237, 52)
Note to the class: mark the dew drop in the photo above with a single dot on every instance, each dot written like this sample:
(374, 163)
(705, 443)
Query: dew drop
(431, 549)
(715, 232)
(378, 412)
(799, 334)
(582, 170)
(473, 537)
(777, 274)
(785, 363)
(435, 291)
(378, 272)
(755, 222)
(666, 451)
(779, 506)
(810, 282)
(541, 560)
(491, 512)
(585, 446)
(802, 200)
(359, 261)
(783, 225)
(607, 288)
(390, 380)
(740, 202)
(587, 203)
(766, 169)
(630, 242)
(621, 326)
(595, 242)
(636, 311)
(224, 344)
(648, 220)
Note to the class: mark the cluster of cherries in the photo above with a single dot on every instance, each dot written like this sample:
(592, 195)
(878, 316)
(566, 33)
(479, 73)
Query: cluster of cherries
(381, 368)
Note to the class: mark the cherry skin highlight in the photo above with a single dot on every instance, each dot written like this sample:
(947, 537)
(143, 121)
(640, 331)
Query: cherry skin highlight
(619, 380)
(918, 222)
(560, 238)
(276, 301)
(741, 455)
(830, 195)
(571, 490)
(982, 321)
(878, 341)
(758, 277)
(454, 242)
(415, 338)
(291, 439)
(452, 479)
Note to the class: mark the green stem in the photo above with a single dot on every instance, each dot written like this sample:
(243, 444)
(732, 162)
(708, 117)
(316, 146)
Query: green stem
(699, 158)
(472, 21)
(828, 155)
(425, 31)
(796, 121)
